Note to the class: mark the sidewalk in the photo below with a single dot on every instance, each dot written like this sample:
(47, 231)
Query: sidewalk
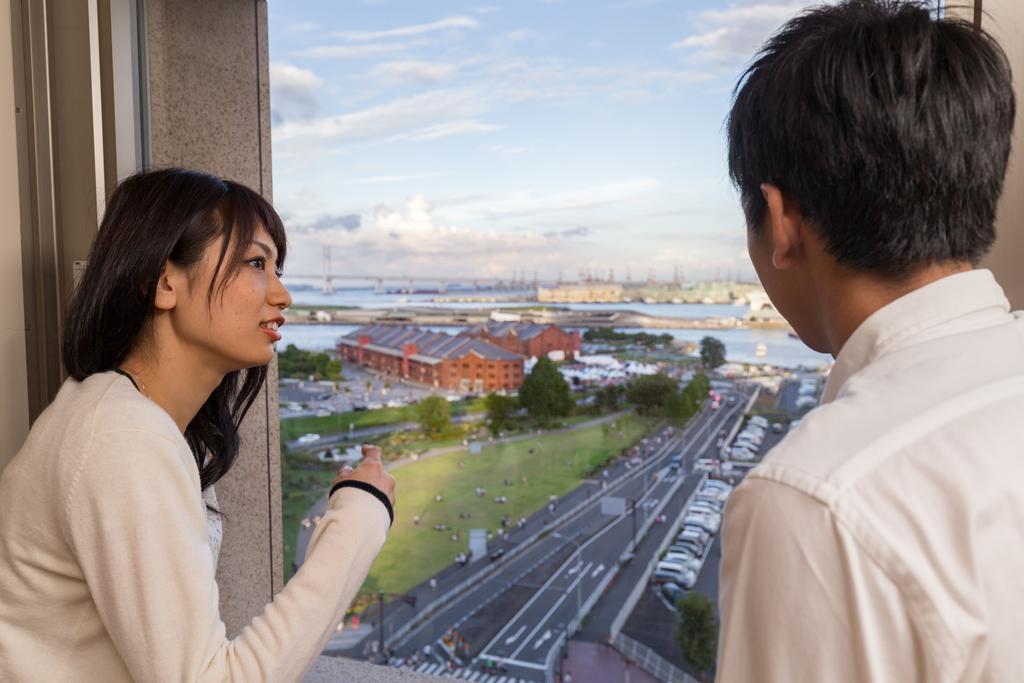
(600, 663)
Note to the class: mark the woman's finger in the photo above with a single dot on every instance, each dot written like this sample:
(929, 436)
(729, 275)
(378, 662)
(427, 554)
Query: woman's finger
(346, 470)
(371, 452)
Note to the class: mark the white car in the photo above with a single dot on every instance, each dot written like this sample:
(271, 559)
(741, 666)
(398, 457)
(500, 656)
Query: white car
(707, 522)
(688, 561)
(806, 402)
(685, 579)
(758, 421)
(705, 465)
(309, 438)
(697, 507)
(716, 484)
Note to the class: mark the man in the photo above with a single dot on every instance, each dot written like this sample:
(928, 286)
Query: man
(883, 540)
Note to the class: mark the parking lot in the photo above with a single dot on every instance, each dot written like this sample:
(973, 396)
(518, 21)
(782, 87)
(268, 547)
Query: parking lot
(654, 618)
(360, 388)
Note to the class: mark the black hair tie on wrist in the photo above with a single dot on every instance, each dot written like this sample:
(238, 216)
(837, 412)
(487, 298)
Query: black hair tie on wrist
(369, 488)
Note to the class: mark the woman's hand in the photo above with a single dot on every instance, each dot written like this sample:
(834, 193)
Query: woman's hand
(370, 471)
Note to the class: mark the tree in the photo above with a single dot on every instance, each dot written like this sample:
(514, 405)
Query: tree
(545, 393)
(683, 404)
(651, 393)
(500, 411)
(712, 352)
(294, 362)
(433, 414)
(698, 631)
(609, 397)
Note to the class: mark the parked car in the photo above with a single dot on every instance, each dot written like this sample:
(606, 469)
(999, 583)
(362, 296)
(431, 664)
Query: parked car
(713, 501)
(673, 566)
(686, 559)
(687, 546)
(717, 485)
(685, 579)
(806, 402)
(777, 427)
(705, 465)
(309, 438)
(672, 591)
(702, 508)
(710, 497)
(695, 533)
(706, 522)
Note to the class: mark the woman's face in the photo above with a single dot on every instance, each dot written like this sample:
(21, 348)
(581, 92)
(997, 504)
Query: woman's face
(234, 329)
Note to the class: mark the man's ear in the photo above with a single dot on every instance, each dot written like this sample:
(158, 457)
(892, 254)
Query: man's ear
(785, 222)
(167, 288)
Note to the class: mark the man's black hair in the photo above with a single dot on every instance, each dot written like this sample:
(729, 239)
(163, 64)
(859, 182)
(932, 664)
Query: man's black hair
(890, 127)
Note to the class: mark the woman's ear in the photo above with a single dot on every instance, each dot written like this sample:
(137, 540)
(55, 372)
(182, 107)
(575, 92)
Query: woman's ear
(166, 289)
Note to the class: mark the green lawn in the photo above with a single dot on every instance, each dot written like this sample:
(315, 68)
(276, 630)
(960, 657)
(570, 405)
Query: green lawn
(294, 427)
(413, 553)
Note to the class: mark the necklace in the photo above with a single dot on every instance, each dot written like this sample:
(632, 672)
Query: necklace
(140, 385)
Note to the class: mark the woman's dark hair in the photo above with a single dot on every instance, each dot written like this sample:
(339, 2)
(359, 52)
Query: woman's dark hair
(154, 217)
(889, 127)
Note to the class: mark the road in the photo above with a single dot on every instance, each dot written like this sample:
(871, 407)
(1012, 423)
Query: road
(516, 614)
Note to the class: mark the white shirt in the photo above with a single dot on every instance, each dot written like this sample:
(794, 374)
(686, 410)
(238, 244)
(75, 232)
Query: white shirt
(883, 539)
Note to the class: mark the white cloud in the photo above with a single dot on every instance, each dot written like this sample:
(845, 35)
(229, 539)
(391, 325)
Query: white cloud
(554, 206)
(508, 150)
(293, 91)
(408, 237)
(446, 130)
(734, 34)
(414, 71)
(413, 30)
(288, 76)
(520, 35)
(350, 51)
(403, 115)
(397, 178)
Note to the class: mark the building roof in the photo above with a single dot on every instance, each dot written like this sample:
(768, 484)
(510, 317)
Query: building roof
(431, 347)
(523, 331)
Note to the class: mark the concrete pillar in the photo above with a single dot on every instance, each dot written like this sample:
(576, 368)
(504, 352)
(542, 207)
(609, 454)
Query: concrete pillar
(209, 109)
(14, 415)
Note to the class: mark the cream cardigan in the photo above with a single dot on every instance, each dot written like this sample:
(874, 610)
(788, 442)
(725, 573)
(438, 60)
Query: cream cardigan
(106, 569)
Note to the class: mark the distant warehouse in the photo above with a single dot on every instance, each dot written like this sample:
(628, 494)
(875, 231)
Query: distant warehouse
(458, 363)
(529, 339)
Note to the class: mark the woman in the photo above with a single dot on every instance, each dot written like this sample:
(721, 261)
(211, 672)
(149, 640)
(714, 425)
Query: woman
(109, 532)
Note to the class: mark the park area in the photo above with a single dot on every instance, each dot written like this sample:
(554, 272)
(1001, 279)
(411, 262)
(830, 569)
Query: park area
(525, 471)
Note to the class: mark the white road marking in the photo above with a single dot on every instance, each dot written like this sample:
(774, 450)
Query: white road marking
(600, 568)
(543, 639)
(513, 638)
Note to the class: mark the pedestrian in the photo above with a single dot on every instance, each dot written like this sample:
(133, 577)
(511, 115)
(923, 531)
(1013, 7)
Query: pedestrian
(433, 583)
(167, 342)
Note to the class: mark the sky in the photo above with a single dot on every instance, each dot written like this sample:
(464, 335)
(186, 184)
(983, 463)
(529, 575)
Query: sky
(504, 139)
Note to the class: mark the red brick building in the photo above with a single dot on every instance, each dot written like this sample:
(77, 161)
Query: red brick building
(458, 363)
(528, 339)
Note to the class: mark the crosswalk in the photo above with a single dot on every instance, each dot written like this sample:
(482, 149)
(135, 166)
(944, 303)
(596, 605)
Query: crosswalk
(435, 669)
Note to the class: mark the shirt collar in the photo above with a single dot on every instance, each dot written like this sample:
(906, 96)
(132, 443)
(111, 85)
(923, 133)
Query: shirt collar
(911, 315)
